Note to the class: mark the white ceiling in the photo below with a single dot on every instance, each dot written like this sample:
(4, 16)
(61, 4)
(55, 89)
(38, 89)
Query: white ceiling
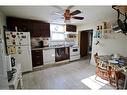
(92, 14)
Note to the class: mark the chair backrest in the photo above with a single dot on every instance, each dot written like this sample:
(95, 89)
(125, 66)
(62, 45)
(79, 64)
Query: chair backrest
(96, 58)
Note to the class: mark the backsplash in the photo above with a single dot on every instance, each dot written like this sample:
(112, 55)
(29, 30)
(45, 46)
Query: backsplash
(47, 42)
(52, 43)
(35, 41)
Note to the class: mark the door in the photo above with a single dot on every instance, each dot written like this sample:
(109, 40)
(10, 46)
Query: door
(37, 58)
(83, 43)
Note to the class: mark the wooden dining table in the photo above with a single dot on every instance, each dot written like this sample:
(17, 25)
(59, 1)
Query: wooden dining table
(116, 66)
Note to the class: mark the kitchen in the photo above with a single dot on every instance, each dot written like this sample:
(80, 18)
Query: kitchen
(49, 45)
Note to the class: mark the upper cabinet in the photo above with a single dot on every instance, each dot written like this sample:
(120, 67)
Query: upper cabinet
(71, 28)
(45, 28)
(35, 27)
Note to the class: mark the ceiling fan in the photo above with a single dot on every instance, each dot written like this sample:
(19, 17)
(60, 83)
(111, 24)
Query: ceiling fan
(67, 14)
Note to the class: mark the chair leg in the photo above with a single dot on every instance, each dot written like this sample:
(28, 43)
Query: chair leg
(116, 83)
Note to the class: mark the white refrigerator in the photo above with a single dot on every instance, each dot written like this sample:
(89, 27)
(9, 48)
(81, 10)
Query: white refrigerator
(19, 46)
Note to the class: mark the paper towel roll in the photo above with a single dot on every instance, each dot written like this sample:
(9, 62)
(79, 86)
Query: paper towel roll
(8, 61)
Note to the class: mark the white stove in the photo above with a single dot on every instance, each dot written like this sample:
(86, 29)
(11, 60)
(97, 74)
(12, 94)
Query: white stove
(74, 53)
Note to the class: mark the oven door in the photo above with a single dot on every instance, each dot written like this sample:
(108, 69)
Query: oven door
(74, 51)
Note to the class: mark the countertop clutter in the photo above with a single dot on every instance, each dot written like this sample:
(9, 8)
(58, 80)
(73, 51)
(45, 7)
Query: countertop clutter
(47, 51)
(16, 80)
(49, 47)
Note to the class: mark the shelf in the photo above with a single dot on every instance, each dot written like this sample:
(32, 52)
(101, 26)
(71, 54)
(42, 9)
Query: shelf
(76, 33)
(104, 30)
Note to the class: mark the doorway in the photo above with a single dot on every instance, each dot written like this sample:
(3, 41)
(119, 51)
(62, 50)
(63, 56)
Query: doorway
(86, 42)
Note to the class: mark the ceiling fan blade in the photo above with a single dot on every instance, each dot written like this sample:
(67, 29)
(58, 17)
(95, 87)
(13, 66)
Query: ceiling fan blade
(75, 12)
(77, 17)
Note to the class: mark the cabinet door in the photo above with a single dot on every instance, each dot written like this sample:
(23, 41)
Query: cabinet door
(25, 25)
(35, 27)
(21, 24)
(40, 29)
(70, 28)
(45, 29)
(37, 58)
(49, 56)
(12, 23)
(36, 30)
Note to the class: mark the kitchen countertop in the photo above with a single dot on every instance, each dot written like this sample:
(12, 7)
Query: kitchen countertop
(44, 48)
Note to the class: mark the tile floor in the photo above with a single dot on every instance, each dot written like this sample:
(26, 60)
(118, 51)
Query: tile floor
(73, 75)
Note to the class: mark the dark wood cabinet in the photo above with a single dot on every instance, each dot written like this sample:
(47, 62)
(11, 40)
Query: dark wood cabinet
(61, 54)
(21, 24)
(71, 28)
(35, 27)
(37, 58)
(45, 28)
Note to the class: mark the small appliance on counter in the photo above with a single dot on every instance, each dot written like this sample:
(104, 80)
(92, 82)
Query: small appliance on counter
(41, 45)
(39, 42)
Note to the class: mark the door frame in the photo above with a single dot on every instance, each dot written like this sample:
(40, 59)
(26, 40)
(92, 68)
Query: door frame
(90, 33)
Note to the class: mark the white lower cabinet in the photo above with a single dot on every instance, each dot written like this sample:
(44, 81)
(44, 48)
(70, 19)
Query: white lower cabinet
(48, 56)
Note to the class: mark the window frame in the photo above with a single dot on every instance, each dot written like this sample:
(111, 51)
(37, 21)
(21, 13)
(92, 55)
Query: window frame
(56, 32)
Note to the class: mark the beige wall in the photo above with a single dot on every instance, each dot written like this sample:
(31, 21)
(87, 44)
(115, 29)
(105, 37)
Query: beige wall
(2, 20)
(116, 43)
(3, 66)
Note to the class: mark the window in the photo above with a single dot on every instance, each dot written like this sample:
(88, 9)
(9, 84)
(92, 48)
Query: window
(57, 32)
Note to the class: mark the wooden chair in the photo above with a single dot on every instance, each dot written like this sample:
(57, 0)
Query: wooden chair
(101, 69)
(116, 78)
